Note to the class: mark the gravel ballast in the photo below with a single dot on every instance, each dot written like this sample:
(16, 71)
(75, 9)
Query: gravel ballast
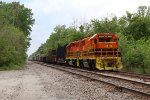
(38, 82)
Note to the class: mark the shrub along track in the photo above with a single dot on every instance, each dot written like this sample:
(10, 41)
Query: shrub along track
(133, 83)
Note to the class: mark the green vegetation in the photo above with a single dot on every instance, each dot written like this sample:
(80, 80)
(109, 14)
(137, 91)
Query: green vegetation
(133, 30)
(134, 43)
(15, 23)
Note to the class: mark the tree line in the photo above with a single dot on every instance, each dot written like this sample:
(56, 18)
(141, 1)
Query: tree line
(133, 30)
(15, 26)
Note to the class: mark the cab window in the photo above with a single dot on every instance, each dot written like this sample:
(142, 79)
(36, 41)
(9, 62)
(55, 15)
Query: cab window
(101, 38)
(105, 39)
(109, 39)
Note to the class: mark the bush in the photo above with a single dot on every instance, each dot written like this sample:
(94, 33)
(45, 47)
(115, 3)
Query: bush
(13, 47)
(135, 55)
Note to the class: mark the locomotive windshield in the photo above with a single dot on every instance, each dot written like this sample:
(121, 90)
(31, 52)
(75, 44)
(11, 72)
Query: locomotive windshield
(105, 39)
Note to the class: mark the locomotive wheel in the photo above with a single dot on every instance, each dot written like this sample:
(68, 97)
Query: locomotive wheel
(81, 63)
(67, 62)
(92, 64)
(74, 63)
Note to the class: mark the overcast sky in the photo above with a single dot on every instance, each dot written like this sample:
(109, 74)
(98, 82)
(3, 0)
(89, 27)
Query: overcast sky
(49, 13)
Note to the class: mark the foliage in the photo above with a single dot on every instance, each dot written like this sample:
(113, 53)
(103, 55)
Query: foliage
(135, 54)
(15, 22)
(13, 46)
(105, 25)
(17, 15)
(138, 24)
(60, 37)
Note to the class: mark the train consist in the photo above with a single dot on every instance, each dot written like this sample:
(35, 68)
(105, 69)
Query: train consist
(99, 51)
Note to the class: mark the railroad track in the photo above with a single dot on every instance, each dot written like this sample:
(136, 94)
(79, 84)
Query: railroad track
(122, 82)
(144, 77)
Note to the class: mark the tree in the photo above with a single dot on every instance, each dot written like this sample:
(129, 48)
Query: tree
(105, 25)
(15, 22)
(17, 15)
(138, 23)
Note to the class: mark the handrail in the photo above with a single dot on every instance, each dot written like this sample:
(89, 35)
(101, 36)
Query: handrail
(113, 53)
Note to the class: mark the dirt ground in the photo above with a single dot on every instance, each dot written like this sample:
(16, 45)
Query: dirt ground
(37, 82)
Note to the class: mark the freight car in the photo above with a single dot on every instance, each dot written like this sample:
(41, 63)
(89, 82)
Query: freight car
(60, 54)
(99, 51)
(54, 56)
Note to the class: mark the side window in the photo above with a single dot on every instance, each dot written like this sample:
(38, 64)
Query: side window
(95, 41)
